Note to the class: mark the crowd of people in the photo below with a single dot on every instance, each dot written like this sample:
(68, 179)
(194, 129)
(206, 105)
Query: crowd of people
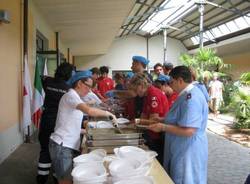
(171, 98)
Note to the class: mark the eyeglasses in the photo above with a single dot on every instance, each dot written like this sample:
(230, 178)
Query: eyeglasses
(88, 85)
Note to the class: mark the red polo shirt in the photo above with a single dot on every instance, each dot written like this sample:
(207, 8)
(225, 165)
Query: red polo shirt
(172, 98)
(155, 103)
(105, 84)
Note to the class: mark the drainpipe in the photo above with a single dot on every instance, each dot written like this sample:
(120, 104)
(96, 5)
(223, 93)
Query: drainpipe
(58, 59)
(68, 55)
(25, 49)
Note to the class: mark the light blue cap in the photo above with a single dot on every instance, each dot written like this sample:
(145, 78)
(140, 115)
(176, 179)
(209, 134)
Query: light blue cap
(79, 75)
(140, 59)
(130, 75)
(163, 78)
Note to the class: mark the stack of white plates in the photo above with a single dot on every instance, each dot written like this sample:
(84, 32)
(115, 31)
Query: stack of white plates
(94, 156)
(89, 173)
(122, 169)
(145, 157)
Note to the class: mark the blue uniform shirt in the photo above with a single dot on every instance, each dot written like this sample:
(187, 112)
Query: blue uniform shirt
(185, 158)
(203, 89)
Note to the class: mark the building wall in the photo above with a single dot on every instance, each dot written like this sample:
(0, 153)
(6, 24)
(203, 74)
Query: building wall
(11, 46)
(240, 63)
(10, 79)
(122, 49)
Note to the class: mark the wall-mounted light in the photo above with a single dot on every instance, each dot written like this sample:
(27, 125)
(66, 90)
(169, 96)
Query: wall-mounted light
(4, 16)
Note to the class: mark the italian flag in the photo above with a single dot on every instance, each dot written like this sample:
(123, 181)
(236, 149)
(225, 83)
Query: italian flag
(38, 97)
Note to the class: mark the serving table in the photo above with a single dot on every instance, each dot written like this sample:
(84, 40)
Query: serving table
(157, 171)
(159, 174)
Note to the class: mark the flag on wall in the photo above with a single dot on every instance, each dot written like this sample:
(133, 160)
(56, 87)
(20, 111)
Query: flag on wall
(27, 97)
(38, 97)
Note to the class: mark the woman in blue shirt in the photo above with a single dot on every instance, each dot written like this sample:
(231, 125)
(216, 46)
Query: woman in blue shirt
(185, 150)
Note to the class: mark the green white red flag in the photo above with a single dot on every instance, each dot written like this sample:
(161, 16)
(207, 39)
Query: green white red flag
(38, 97)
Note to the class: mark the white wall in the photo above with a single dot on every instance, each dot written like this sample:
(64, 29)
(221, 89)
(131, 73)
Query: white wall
(122, 49)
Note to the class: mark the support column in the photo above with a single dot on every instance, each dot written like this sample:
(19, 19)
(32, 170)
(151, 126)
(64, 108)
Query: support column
(164, 45)
(147, 38)
(201, 10)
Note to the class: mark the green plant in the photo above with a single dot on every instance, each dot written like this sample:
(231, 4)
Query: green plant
(241, 104)
(230, 90)
(245, 78)
(206, 62)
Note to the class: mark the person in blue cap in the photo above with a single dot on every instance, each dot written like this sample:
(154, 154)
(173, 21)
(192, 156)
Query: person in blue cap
(139, 65)
(162, 82)
(186, 147)
(65, 141)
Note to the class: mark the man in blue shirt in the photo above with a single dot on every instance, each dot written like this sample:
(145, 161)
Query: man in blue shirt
(186, 149)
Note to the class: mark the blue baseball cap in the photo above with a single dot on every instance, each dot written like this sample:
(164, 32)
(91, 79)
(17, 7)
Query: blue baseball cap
(79, 75)
(163, 78)
(140, 59)
(130, 75)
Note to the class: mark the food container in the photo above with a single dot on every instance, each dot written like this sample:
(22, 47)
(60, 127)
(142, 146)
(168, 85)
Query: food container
(111, 134)
(89, 173)
(87, 158)
(145, 157)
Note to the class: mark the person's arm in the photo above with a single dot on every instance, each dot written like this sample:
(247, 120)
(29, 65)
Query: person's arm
(124, 93)
(173, 129)
(91, 111)
(156, 117)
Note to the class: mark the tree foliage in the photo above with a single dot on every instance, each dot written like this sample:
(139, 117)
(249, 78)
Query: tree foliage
(206, 62)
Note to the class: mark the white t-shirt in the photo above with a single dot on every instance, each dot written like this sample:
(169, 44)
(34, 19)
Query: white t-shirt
(216, 89)
(91, 97)
(68, 123)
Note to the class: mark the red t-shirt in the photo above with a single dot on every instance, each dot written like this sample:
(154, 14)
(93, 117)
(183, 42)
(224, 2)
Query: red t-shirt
(104, 84)
(155, 103)
(172, 98)
(129, 106)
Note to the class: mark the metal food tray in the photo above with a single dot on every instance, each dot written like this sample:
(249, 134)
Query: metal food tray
(112, 134)
(121, 142)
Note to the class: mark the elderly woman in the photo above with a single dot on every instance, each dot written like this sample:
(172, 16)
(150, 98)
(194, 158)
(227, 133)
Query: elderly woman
(65, 141)
(186, 149)
(155, 105)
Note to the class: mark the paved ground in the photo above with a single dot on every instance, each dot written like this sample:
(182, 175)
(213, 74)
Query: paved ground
(229, 163)
(223, 125)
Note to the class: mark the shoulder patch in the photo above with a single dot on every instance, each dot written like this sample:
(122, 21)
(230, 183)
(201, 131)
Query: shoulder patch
(189, 96)
(154, 104)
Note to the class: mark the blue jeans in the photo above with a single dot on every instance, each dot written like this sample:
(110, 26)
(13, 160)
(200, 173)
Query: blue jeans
(62, 160)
